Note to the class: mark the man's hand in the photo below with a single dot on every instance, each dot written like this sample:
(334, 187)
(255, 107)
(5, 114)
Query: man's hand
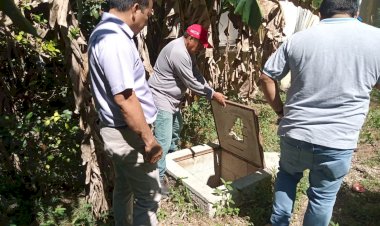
(134, 117)
(153, 151)
(220, 98)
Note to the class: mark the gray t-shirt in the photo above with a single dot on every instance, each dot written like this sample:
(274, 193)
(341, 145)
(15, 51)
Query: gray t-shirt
(115, 65)
(175, 71)
(334, 66)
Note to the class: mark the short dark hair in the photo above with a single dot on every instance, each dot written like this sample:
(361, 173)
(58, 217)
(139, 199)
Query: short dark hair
(329, 8)
(124, 5)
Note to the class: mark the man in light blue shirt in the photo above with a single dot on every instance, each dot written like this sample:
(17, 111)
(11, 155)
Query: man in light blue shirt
(126, 109)
(334, 66)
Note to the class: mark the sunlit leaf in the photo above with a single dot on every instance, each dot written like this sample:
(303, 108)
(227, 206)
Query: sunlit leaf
(50, 157)
(60, 211)
(47, 122)
(29, 115)
(56, 116)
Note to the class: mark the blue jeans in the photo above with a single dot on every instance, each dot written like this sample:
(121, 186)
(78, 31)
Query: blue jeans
(327, 167)
(167, 129)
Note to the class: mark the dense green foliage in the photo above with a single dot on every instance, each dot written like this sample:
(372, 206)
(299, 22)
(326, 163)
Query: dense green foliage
(199, 125)
(40, 156)
(38, 139)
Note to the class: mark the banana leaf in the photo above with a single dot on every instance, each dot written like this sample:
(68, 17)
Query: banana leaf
(11, 10)
(250, 12)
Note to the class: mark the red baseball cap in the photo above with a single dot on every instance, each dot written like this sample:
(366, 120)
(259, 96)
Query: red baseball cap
(200, 33)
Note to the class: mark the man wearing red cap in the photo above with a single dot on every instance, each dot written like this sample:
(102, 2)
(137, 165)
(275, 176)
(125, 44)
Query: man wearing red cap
(174, 72)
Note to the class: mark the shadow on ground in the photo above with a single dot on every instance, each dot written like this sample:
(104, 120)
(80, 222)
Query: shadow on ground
(357, 209)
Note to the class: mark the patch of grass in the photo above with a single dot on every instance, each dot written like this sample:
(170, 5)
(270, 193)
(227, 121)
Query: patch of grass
(268, 128)
(57, 211)
(372, 184)
(258, 206)
(375, 96)
(199, 125)
(371, 129)
(82, 215)
(180, 195)
(267, 123)
(52, 215)
(373, 161)
(162, 214)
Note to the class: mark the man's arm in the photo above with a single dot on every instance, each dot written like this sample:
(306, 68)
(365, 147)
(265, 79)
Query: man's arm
(194, 80)
(217, 96)
(134, 116)
(271, 92)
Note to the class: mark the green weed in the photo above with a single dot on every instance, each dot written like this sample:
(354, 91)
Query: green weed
(333, 224)
(83, 215)
(51, 213)
(226, 206)
(162, 214)
(181, 196)
(199, 125)
(373, 161)
(371, 129)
